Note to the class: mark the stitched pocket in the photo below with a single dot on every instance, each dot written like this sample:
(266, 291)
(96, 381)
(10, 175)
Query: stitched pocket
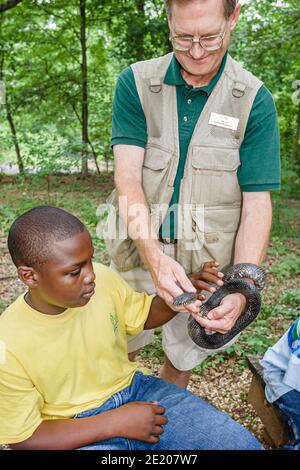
(155, 171)
(216, 236)
(215, 175)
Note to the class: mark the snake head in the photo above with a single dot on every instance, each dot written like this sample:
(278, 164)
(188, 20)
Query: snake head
(185, 299)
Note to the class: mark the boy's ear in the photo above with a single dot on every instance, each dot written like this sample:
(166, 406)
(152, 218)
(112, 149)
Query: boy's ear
(28, 275)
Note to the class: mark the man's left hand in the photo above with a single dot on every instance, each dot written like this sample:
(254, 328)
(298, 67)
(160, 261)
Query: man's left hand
(222, 318)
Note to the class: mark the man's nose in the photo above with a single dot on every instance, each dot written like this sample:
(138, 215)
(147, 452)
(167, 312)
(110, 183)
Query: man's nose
(197, 51)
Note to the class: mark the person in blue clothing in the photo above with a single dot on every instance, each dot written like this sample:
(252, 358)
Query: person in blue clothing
(281, 365)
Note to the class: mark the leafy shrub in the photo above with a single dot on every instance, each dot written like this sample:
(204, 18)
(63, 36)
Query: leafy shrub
(284, 269)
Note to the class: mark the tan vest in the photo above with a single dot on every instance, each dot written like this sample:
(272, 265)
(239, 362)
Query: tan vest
(209, 192)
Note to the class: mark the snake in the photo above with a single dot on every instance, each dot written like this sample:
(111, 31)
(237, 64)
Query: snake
(233, 283)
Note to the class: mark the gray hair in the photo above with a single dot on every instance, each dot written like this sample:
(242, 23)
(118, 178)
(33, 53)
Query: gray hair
(229, 6)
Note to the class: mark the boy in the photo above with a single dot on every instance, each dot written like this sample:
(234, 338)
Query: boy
(66, 354)
(281, 365)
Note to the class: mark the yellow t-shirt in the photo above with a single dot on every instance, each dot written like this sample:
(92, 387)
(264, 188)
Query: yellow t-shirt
(55, 366)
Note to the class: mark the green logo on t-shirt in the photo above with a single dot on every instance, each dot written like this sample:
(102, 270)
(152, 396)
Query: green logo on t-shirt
(114, 321)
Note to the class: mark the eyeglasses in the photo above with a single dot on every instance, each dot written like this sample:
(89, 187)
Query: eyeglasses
(208, 43)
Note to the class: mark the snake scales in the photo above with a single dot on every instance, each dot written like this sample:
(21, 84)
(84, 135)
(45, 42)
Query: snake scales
(232, 283)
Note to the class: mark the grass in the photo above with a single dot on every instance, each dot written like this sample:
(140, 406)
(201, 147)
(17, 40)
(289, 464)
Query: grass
(82, 198)
(281, 298)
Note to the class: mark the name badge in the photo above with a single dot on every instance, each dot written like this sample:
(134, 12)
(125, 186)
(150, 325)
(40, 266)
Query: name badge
(221, 120)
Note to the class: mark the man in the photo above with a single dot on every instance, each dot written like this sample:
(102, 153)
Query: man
(196, 133)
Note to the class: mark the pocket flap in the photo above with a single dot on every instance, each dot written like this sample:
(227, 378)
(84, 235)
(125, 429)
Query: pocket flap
(217, 159)
(156, 158)
(217, 219)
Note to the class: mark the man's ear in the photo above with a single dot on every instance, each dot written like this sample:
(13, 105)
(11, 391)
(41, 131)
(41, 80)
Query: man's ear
(235, 16)
(169, 24)
(28, 276)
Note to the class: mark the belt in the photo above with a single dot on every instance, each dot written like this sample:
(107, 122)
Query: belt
(168, 241)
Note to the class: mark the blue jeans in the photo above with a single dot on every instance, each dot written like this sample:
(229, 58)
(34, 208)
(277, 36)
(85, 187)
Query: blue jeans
(289, 404)
(192, 424)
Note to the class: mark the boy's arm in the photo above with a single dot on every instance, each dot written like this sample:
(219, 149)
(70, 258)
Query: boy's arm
(67, 434)
(137, 420)
(159, 314)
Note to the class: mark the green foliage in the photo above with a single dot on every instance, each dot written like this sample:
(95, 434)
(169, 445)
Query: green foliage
(265, 42)
(284, 218)
(40, 53)
(286, 268)
(291, 298)
(7, 216)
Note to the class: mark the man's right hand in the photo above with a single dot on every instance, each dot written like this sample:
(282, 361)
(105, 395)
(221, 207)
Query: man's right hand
(171, 281)
(143, 421)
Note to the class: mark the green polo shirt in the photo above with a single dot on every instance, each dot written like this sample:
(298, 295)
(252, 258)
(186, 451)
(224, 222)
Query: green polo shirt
(259, 152)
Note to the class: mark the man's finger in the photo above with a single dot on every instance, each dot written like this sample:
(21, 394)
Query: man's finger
(189, 308)
(218, 312)
(168, 299)
(219, 326)
(184, 281)
(170, 287)
(194, 307)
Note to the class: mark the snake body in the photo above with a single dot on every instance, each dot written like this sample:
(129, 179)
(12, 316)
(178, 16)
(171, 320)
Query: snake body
(233, 283)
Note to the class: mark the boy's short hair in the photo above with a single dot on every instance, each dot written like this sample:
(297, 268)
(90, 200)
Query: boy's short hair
(32, 235)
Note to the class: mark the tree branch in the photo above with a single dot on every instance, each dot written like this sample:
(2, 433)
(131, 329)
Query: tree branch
(8, 5)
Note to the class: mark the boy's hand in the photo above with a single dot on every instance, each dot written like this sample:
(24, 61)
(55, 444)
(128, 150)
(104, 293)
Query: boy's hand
(208, 274)
(143, 421)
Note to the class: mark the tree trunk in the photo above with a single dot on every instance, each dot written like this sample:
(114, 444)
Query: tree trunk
(90, 143)
(8, 5)
(296, 145)
(11, 123)
(14, 136)
(140, 46)
(84, 81)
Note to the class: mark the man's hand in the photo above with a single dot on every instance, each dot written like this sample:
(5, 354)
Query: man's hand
(222, 318)
(143, 421)
(170, 281)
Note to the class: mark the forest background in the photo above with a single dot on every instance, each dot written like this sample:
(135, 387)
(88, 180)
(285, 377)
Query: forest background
(59, 62)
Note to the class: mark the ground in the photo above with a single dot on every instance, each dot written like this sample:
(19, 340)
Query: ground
(223, 379)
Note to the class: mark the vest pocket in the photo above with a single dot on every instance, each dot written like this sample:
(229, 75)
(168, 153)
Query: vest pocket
(119, 245)
(215, 175)
(215, 235)
(155, 169)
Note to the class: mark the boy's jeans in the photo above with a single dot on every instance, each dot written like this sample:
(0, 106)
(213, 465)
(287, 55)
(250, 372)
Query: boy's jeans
(289, 404)
(192, 424)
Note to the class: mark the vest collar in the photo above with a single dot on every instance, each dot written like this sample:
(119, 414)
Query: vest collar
(173, 76)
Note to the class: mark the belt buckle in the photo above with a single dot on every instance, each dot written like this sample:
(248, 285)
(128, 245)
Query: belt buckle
(168, 241)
